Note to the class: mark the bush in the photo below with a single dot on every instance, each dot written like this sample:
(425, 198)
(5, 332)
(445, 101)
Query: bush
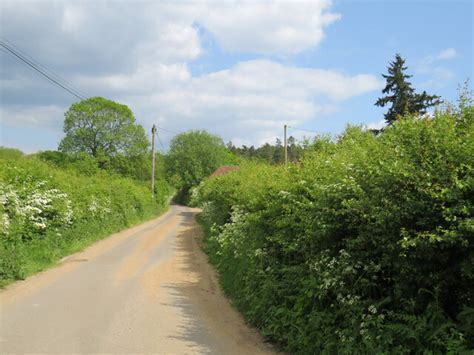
(134, 167)
(192, 156)
(47, 212)
(366, 246)
(10, 153)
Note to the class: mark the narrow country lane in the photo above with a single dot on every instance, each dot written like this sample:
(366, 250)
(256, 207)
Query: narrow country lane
(148, 290)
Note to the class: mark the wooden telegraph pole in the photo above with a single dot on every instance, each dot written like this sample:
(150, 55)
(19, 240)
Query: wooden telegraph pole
(153, 132)
(285, 145)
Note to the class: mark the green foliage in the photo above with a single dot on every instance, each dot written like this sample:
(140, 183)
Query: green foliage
(366, 246)
(48, 210)
(137, 167)
(10, 153)
(401, 95)
(193, 156)
(81, 163)
(102, 134)
(270, 153)
(103, 129)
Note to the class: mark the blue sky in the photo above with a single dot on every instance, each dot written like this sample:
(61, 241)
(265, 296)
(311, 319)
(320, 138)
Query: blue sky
(363, 40)
(238, 70)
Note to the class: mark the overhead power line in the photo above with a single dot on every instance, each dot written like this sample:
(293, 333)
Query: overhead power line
(44, 68)
(161, 144)
(167, 130)
(304, 130)
(15, 53)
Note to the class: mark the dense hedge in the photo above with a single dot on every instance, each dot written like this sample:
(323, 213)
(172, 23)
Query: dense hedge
(47, 212)
(365, 246)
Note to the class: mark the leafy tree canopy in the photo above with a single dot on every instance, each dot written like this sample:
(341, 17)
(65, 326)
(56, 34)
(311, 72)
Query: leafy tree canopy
(102, 128)
(400, 95)
(193, 156)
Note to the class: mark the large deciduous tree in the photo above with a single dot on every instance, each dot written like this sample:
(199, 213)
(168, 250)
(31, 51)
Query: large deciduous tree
(102, 128)
(401, 96)
(193, 156)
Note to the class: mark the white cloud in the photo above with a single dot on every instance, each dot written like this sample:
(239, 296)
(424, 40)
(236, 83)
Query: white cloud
(172, 43)
(263, 76)
(448, 53)
(376, 125)
(430, 61)
(109, 36)
(438, 74)
(101, 37)
(272, 27)
(73, 18)
(140, 55)
(49, 116)
(146, 79)
(251, 101)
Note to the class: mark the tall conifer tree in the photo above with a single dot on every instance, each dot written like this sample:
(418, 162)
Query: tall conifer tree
(401, 95)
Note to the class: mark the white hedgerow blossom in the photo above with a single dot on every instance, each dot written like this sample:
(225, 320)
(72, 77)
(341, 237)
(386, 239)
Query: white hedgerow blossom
(93, 206)
(4, 224)
(99, 208)
(372, 309)
(68, 215)
(3, 196)
(40, 223)
(31, 205)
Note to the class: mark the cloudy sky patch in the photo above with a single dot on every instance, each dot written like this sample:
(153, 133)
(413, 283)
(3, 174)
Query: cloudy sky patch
(238, 69)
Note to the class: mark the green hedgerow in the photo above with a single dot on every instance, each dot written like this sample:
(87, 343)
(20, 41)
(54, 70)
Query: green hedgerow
(365, 246)
(47, 212)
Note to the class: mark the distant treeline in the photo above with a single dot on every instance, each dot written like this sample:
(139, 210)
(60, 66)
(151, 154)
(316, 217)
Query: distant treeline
(274, 154)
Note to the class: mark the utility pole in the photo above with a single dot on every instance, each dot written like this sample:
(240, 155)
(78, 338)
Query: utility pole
(153, 132)
(285, 145)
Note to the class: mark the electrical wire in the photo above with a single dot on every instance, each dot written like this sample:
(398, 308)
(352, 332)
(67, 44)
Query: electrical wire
(32, 63)
(167, 130)
(44, 68)
(161, 144)
(304, 130)
(19, 57)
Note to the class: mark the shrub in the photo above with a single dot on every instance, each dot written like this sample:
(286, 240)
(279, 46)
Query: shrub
(47, 212)
(366, 246)
(192, 156)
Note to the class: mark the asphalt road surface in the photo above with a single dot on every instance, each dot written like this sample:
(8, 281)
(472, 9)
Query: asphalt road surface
(146, 290)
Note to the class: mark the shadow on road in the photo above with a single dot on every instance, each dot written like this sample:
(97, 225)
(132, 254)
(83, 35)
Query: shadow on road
(211, 322)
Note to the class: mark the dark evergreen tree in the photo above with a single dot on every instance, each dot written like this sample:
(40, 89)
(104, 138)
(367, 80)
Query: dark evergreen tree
(401, 95)
(279, 152)
(266, 152)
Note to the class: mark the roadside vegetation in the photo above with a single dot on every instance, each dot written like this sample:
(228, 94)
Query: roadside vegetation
(49, 212)
(55, 203)
(363, 244)
(193, 156)
(366, 244)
